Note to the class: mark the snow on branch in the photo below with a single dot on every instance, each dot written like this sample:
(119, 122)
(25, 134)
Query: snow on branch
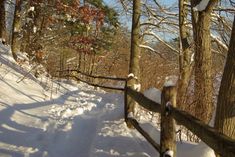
(219, 42)
(162, 41)
(31, 9)
(201, 6)
(151, 49)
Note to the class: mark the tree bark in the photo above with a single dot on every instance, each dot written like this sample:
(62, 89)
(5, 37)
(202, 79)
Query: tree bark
(225, 111)
(16, 29)
(203, 61)
(134, 68)
(168, 125)
(185, 56)
(3, 33)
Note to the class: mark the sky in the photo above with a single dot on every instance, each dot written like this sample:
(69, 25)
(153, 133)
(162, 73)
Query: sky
(125, 20)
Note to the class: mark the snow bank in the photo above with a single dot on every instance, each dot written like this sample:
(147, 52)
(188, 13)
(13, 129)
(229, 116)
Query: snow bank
(184, 149)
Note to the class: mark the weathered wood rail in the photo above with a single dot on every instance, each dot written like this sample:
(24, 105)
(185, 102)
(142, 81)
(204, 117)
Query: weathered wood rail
(221, 144)
(69, 73)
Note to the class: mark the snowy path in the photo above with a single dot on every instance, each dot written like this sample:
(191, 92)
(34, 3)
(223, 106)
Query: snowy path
(77, 122)
(100, 131)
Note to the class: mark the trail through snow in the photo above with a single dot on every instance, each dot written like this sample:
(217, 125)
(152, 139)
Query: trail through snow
(69, 120)
(76, 122)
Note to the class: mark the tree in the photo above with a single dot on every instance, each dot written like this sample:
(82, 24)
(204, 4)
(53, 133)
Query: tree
(201, 19)
(225, 111)
(185, 63)
(2, 21)
(134, 69)
(16, 28)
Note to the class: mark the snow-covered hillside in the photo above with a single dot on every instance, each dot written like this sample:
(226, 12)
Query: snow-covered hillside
(40, 118)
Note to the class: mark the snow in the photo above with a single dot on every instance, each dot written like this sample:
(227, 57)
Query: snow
(153, 94)
(34, 29)
(169, 153)
(130, 115)
(184, 149)
(68, 120)
(170, 81)
(31, 9)
(137, 87)
(201, 6)
(131, 75)
(192, 58)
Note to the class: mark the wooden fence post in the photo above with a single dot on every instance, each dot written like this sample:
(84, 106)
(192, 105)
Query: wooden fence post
(168, 139)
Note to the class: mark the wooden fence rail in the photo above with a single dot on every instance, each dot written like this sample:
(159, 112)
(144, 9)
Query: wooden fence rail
(92, 76)
(68, 73)
(220, 143)
(144, 133)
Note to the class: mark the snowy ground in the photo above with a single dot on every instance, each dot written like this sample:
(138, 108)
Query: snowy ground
(73, 120)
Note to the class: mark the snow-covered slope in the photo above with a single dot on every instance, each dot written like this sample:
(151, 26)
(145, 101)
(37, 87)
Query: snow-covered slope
(74, 122)
(43, 118)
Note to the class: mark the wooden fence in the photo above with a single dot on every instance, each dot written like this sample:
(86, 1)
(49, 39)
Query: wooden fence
(221, 144)
(75, 74)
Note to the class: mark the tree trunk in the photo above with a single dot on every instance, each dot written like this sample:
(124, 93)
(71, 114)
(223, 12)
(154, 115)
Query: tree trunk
(185, 56)
(134, 69)
(3, 33)
(16, 29)
(225, 111)
(168, 125)
(203, 61)
(30, 43)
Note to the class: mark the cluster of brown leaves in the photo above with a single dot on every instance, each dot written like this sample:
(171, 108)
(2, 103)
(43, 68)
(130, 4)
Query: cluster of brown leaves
(88, 14)
(82, 44)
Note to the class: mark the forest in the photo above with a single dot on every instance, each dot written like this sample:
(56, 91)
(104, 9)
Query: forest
(182, 49)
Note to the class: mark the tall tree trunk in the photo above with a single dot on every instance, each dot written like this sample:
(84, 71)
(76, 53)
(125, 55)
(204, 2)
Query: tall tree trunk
(134, 69)
(225, 111)
(16, 29)
(185, 56)
(3, 33)
(203, 61)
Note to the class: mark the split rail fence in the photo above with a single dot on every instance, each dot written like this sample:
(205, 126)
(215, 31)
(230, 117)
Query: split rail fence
(221, 144)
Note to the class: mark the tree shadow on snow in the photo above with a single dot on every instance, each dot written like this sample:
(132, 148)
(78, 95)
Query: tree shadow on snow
(84, 139)
(17, 134)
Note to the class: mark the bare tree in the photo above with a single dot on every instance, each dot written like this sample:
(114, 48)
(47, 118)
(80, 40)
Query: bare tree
(2, 21)
(16, 28)
(185, 63)
(225, 111)
(201, 20)
(134, 68)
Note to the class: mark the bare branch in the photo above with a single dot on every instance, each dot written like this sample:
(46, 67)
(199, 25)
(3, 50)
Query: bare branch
(151, 49)
(175, 51)
(219, 42)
